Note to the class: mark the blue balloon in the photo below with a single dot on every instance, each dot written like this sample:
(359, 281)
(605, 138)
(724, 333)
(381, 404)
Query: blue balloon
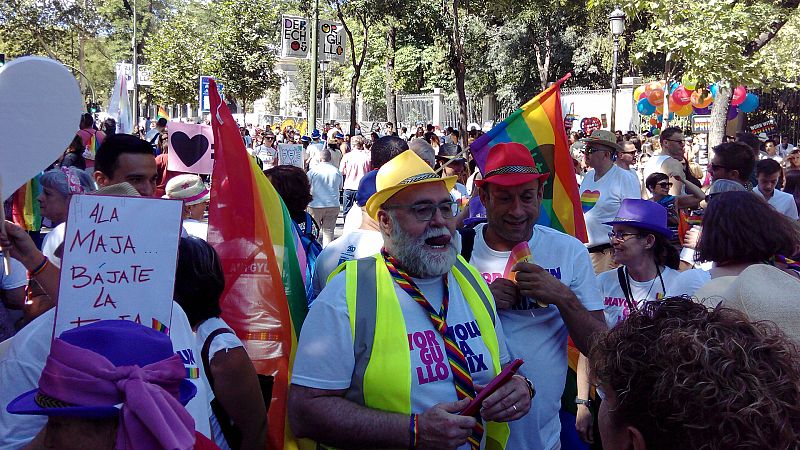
(674, 85)
(644, 107)
(713, 88)
(749, 104)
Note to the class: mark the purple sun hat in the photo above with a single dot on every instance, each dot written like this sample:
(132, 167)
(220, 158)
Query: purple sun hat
(643, 214)
(121, 343)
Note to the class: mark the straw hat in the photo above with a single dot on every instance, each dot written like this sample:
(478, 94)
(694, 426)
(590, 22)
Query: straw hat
(189, 188)
(603, 138)
(764, 292)
(404, 170)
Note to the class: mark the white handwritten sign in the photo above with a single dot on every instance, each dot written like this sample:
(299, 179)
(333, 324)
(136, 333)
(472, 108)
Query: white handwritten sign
(290, 155)
(119, 261)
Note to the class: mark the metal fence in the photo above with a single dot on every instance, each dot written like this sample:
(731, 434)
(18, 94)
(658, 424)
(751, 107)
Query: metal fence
(451, 110)
(414, 108)
(782, 106)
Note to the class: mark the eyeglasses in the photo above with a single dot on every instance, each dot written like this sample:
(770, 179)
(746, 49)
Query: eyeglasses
(664, 185)
(621, 237)
(425, 211)
(714, 166)
(681, 141)
(627, 153)
(590, 150)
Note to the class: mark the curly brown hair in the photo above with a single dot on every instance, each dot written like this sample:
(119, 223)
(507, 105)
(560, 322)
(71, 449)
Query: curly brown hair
(691, 377)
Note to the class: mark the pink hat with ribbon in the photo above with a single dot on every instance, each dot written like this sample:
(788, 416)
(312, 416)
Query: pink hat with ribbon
(189, 188)
(94, 368)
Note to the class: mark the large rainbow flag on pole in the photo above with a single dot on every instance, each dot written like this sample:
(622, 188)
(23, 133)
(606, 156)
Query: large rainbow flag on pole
(264, 299)
(539, 125)
(162, 113)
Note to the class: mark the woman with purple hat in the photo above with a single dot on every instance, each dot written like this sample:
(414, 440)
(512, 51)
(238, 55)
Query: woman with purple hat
(640, 240)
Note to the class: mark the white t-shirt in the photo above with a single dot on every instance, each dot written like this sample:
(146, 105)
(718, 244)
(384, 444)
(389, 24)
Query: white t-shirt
(15, 280)
(601, 200)
(783, 202)
(222, 342)
(538, 335)
(195, 228)
(654, 165)
(325, 183)
(352, 221)
(459, 195)
(24, 361)
(325, 358)
(356, 244)
(267, 155)
(312, 153)
(615, 306)
(688, 282)
(52, 241)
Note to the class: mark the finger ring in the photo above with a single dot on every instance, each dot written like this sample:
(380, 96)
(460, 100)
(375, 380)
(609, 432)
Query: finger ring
(515, 407)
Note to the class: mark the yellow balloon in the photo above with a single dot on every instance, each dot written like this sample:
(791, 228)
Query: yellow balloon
(684, 111)
(690, 85)
(638, 92)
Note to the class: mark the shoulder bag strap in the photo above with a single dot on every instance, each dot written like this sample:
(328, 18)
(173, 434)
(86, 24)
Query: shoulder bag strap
(205, 350)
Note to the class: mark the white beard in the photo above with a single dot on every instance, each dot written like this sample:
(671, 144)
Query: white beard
(412, 253)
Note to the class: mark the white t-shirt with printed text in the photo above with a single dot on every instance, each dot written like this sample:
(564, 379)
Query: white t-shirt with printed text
(325, 358)
(601, 200)
(615, 306)
(539, 335)
(356, 244)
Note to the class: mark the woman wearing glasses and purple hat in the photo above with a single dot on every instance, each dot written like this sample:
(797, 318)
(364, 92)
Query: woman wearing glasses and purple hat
(640, 240)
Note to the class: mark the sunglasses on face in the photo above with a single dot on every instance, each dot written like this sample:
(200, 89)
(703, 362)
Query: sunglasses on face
(664, 184)
(714, 166)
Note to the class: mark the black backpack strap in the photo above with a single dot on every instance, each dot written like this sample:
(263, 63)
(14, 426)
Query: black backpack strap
(467, 242)
(623, 282)
(205, 350)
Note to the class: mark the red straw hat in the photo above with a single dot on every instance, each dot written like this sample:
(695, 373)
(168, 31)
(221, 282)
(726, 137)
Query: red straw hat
(510, 164)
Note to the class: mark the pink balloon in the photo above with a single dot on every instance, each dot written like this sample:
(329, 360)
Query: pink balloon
(739, 94)
(681, 96)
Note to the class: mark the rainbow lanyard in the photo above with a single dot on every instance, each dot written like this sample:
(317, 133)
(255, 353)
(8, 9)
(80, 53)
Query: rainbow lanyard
(462, 379)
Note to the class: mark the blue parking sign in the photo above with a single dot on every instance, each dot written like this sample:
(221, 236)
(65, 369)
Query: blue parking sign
(203, 100)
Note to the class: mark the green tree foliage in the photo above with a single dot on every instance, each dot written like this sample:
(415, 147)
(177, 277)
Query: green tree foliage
(244, 48)
(725, 41)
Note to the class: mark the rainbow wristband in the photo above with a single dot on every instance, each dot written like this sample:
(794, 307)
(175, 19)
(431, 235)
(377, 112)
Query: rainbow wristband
(38, 269)
(413, 429)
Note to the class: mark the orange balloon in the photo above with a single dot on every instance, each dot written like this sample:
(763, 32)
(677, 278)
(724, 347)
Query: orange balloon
(673, 107)
(653, 121)
(656, 97)
(650, 87)
(701, 98)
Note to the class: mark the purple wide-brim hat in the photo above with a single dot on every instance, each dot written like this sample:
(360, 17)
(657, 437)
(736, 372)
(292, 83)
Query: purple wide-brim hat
(26, 404)
(123, 343)
(643, 214)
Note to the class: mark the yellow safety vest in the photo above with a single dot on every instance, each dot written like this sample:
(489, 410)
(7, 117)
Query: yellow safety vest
(382, 374)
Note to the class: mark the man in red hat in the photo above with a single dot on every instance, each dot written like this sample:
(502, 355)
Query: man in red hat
(554, 293)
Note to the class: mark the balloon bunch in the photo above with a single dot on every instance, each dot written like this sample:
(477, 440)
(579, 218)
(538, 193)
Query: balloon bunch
(687, 98)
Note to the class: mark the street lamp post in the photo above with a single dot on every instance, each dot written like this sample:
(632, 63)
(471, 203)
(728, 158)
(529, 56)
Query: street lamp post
(617, 20)
(322, 65)
(135, 74)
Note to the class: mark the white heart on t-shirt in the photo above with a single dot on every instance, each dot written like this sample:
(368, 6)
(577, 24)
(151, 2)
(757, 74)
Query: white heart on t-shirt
(40, 109)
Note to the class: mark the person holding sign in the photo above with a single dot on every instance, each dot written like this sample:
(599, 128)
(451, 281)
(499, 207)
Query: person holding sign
(362, 387)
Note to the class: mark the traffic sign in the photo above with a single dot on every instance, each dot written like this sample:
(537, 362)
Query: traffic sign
(203, 100)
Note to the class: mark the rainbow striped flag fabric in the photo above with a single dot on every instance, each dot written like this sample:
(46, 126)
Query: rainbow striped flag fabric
(264, 299)
(25, 207)
(91, 147)
(539, 125)
(162, 113)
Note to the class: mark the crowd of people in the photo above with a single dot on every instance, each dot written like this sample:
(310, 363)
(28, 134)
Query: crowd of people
(684, 303)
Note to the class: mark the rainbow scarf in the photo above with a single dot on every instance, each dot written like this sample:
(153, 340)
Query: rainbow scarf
(264, 299)
(539, 125)
(24, 206)
(162, 113)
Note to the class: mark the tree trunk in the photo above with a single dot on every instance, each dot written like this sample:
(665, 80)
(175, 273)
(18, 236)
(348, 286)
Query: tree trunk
(543, 59)
(460, 70)
(719, 115)
(358, 63)
(391, 93)
(244, 112)
(354, 98)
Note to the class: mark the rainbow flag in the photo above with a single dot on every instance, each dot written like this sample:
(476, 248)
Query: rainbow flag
(25, 207)
(91, 147)
(539, 125)
(159, 326)
(264, 299)
(162, 113)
